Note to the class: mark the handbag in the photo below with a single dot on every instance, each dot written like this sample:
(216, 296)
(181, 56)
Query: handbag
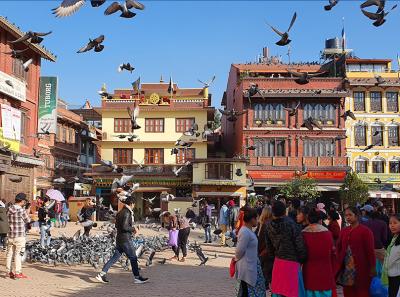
(232, 267)
(173, 238)
(347, 275)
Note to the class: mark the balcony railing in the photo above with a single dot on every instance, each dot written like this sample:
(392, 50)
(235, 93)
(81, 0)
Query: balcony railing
(164, 169)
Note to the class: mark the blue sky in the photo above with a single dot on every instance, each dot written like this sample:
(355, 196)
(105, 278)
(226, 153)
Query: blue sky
(190, 39)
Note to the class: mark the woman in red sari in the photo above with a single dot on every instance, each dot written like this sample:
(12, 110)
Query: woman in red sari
(356, 256)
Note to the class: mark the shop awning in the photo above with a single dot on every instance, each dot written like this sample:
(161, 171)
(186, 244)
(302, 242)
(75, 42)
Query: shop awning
(214, 194)
(384, 194)
(152, 189)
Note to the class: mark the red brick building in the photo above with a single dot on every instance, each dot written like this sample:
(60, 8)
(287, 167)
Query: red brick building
(282, 147)
(19, 93)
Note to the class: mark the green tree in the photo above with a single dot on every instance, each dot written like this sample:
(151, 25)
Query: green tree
(217, 120)
(353, 190)
(300, 188)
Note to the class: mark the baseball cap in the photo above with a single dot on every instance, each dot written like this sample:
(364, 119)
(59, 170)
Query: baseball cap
(367, 208)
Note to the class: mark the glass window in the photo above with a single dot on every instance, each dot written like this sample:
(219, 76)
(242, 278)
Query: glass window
(269, 147)
(184, 155)
(219, 171)
(393, 135)
(378, 166)
(392, 101)
(360, 135)
(394, 166)
(321, 112)
(64, 134)
(154, 125)
(361, 166)
(353, 67)
(359, 101)
(122, 125)
(183, 125)
(269, 112)
(319, 148)
(258, 112)
(376, 101)
(154, 156)
(122, 156)
(377, 135)
(367, 67)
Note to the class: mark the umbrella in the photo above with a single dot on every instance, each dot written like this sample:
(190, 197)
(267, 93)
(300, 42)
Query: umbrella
(55, 195)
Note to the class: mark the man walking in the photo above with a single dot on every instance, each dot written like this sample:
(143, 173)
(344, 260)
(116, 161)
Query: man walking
(223, 222)
(207, 221)
(18, 218)
(233, 218)
(124, 226)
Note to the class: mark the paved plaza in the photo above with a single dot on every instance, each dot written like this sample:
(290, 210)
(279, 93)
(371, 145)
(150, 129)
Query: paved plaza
(172, 279)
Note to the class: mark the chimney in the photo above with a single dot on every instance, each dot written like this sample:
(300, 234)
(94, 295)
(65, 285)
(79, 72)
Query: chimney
(265, 52)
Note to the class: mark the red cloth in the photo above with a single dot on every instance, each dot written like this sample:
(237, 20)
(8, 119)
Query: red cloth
(361, 242)
(285, 278)
(335, 229)
(240, 222)
(320, 258)
(354, 292)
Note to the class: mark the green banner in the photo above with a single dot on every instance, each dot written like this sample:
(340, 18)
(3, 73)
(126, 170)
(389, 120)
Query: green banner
(47, 112)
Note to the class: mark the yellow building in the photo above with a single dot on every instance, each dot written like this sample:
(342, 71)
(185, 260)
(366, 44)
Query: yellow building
(373, 145)
(219, 180)
(163, 118)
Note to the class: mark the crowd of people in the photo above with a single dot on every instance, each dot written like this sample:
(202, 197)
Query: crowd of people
(295, 250)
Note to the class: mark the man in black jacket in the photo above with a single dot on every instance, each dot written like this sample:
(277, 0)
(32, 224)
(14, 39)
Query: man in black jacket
(124, 226)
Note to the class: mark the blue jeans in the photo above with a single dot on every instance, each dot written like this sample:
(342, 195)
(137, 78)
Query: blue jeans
(127, 249)
(207, 230)
(44, 232)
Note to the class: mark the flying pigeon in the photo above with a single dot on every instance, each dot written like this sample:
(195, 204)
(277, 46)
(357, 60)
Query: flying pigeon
(207, 132)
(208, 83)
(126, 66)
(332, 3)
(232, 115)
(133, 116)
(95, 44)
(284, 36)
(33, 37)
(378, 17)
(124, 8)
(303, 77)
(105, 94)
(379, 3)
(292, 111)
(69, 7)
(194, 130)
(350, 114)
(27, 64)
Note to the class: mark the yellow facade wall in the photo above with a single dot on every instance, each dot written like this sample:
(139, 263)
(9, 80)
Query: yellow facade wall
(369, 118)
(164, 139)
(199, 175)
(169, 133)
(139, 150)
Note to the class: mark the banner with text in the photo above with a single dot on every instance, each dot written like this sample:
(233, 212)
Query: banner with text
(11, 122)
(47, 114)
